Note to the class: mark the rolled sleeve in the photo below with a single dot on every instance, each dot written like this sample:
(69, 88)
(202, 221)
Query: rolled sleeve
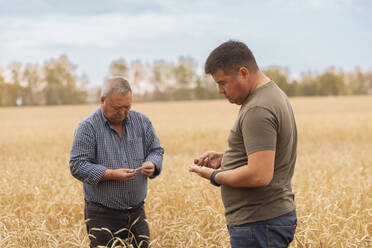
(82, 156)
(157, 160)
(154, 150)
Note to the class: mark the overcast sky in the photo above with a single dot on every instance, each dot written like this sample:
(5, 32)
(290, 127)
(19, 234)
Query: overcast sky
(301, 35)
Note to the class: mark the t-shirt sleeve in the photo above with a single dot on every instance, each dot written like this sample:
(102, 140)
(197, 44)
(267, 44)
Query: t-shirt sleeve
(259, 129)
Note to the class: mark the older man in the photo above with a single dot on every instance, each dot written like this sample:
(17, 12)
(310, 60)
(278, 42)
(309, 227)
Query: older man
(258, 165)
(114, 151)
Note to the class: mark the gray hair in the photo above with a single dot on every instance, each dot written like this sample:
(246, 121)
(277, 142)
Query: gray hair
(115, 84)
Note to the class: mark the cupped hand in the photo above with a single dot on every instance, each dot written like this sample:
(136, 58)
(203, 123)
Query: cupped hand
(210, 159)
(148, 169)
(201, 171)
(123, 174)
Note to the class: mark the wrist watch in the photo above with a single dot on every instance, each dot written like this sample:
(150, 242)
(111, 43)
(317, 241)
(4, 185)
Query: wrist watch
(213, 175)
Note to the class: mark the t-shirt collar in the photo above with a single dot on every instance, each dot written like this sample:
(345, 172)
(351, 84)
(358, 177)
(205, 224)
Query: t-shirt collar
(255, 91)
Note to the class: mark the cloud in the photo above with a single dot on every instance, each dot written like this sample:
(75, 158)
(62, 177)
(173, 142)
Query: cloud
(336, 4)
(278, 31)
(347, 5)
(103, 30)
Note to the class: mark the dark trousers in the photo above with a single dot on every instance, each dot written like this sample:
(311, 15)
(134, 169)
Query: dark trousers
(107, 226)
(276, 233)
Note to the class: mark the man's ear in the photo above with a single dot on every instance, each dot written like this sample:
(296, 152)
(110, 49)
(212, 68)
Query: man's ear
(244, 72)
(102, 99)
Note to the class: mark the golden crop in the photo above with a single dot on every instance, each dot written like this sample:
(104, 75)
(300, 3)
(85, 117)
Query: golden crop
(41, 204)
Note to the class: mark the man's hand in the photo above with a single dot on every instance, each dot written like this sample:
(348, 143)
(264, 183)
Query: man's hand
(148, 169)
(122, 174)
(201, 171)
(210, 159)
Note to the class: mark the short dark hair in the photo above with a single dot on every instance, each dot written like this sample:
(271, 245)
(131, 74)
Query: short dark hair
(229, 57)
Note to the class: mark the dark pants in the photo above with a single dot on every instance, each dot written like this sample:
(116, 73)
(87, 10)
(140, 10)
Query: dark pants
(107, 226)
(277, 232)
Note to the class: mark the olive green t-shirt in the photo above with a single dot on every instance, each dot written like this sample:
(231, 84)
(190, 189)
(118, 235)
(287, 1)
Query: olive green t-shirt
(265, 122)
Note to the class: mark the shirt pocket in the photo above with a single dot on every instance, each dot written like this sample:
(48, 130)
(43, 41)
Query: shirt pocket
(136, 149)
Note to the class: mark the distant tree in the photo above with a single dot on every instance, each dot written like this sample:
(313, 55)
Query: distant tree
(368, 78)
(62, 83)
(81, 91)
(33, 85)
(3, 90)
(294, 88)
(308, 85)
(184, 77)
(9, 93)
(138, 75)
(93, 95)
(158, 80)
(206, 88)
(15, 89)
(358, 83)
(119, 68)
(329, 83)
(279, 76)
(201, 88)
(184, 72)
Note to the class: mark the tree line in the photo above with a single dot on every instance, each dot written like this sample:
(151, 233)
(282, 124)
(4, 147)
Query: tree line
(57, 82)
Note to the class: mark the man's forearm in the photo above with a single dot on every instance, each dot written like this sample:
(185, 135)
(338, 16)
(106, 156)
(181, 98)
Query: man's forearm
(257, 173)
(242, 176)
(108, 175)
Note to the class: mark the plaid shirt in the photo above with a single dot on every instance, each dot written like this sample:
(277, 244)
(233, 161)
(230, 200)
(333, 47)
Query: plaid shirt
(97, 146)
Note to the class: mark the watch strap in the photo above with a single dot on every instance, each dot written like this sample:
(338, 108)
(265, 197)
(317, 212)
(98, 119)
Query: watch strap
(213, 175)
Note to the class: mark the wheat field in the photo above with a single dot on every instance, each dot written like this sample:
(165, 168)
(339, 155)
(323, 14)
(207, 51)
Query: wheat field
(41, 204)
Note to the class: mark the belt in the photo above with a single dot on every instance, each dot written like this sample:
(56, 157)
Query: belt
(131, 208)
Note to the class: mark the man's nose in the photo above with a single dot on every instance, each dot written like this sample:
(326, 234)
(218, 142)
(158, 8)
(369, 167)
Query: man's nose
(221, 89)
(123, 111)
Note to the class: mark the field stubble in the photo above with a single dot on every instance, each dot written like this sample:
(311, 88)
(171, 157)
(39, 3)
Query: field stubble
(41, 205)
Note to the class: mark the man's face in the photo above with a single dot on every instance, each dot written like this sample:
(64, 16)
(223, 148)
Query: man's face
(234, 87)
(116, 107)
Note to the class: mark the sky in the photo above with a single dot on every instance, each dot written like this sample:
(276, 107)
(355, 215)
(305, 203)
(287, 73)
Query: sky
(301, 35)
